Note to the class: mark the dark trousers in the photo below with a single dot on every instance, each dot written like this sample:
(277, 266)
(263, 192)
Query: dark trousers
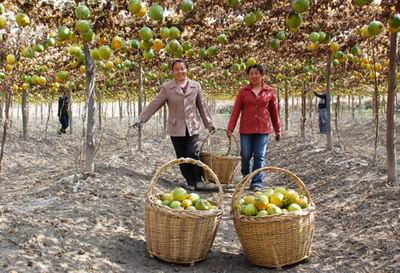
(323, 121)
(64, 120)
(187, 147)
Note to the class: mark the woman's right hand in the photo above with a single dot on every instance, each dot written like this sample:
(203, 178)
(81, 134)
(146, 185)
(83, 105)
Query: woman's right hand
(228, 133)
(136, 123)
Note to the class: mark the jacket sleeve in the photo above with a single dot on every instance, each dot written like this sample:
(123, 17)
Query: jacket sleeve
(318, 95)
(203, 110)
(274, 113)
(154, 105)
(237, 108)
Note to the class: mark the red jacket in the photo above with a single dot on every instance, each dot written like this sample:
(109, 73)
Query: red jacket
(257, 112)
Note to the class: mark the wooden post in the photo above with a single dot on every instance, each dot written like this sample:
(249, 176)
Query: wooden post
(390, 114)
(286, 104)
(90, 112)
(71, 130)
(25, 114)
(329, 143)
(140, 105)
(303, 111)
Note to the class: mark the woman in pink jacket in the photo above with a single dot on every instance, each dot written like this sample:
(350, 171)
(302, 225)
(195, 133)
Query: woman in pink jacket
(258, 107)
(186, 106)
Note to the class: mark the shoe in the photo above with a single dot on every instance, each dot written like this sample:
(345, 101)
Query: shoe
(200, 186)
(256, 188)
(63, 131)
(191, 188)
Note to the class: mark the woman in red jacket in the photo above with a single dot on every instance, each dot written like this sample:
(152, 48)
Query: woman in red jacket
(258, 107)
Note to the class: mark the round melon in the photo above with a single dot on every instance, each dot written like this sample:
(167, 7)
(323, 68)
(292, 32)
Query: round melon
(82, 12)
(156, 12)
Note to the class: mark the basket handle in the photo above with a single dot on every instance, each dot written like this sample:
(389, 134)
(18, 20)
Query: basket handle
(179, 161)
(247, 179)
(230, 140)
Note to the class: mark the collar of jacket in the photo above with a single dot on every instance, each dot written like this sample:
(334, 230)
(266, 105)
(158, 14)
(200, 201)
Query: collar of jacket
(175, 85)
(264, 87)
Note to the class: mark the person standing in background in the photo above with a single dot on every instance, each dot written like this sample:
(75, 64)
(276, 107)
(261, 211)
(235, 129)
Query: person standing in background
(323, 116)
(62, 113)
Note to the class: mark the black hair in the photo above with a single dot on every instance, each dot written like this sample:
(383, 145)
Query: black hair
(175, 62)
(256, 66)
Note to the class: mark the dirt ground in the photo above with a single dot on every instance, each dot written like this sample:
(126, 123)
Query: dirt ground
(54, 220)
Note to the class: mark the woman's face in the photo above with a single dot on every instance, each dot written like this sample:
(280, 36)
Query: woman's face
(179, 72)
(254, 76)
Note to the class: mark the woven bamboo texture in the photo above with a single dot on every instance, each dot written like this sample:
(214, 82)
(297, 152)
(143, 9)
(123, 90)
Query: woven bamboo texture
(224, 166)
(275, 240)
(180, 236)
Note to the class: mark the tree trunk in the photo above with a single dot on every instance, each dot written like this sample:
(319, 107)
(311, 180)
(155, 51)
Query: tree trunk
(128, 102)
(390, 114)
(303, 112)
(71, 130)
(11, 115)
(134, 109)
(51, 112)
(375, 105)
(286, 105)
(1, 106)
(99, 110)
(50, 105)
(8, 95)
(140, 103)
(120, 110)
(329, 143)
(25, 114)
(353, 108)
(310, 113)
(278, 95)
(91, 112)
(41, 111)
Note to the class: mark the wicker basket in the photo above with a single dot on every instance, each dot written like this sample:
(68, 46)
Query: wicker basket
(275, 240)
(225, 166)
(180, 236)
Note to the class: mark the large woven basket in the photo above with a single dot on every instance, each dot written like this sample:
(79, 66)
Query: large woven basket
(180, 236)
(224, 166)
(274, 240)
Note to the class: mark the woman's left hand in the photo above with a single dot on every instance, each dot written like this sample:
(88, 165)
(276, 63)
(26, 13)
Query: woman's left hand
(278, 136)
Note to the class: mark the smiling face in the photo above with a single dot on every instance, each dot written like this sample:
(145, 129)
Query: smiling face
(179, 72)
(255, 76)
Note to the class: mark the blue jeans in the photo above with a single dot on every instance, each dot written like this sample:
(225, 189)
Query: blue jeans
(323, 120)
(253, 146)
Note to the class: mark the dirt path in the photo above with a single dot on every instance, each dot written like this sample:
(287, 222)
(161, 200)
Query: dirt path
(52, 220)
